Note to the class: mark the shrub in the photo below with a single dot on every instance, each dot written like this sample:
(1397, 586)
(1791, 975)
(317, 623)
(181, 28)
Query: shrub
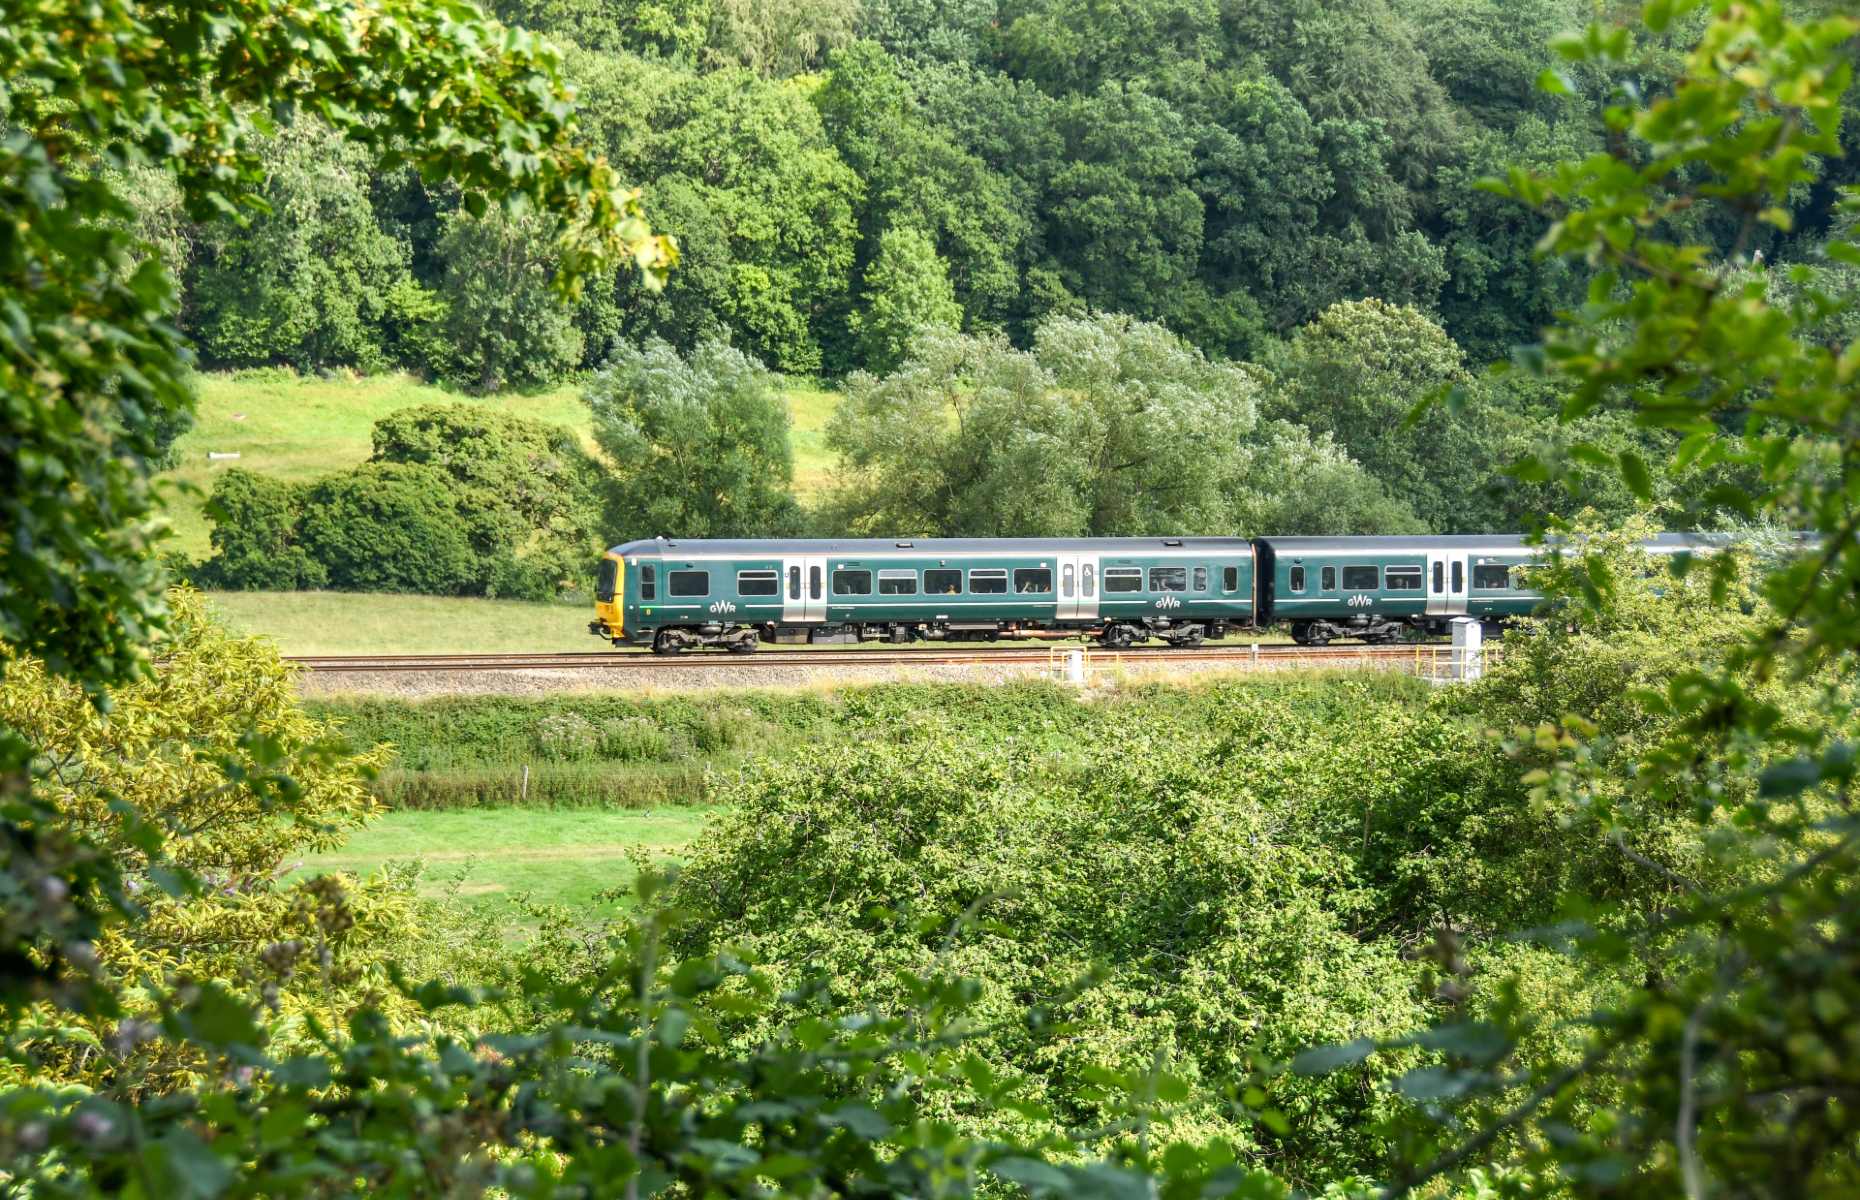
(256, 544)
(529, 495)
(390, 527)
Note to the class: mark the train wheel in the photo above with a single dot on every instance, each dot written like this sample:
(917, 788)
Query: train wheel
(1116, 637)
(665, 642)
(1301, 632)
(747, 645)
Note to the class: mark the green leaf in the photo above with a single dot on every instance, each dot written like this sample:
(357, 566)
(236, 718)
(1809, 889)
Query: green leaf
(1324, 1059)
(1788, 778)
(1634, 471)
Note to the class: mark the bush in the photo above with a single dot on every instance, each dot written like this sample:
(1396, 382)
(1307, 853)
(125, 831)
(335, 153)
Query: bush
(256, 544)
(390, 527)
(529, 496)
(458, 500)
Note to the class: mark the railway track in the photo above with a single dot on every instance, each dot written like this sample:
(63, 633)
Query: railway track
(608, 660)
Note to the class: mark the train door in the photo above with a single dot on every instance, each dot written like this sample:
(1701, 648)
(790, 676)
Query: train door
(1078, 587)
(804, 589)
(1446, 584)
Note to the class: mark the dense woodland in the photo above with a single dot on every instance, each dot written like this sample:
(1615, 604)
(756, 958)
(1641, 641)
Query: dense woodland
(1587, 927)
(1078, 268)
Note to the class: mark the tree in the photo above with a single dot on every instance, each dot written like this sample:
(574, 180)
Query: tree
(779, 37)
(673, 30)
(309, 283)
(1106, 427)
(748, 171)
(503, 324)
(916, 174)
(92, 361)
(1717, 1071)
(699, 446)
(180, 752)
(907, 291)
(1357, 372)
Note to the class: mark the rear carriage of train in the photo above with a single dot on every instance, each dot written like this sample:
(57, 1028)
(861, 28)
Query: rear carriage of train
(674, 595)
(1379, 588)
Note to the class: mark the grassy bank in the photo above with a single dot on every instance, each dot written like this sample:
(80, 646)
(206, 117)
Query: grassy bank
(342, 623)
(296, 427)
(614, 752)
(492, 859)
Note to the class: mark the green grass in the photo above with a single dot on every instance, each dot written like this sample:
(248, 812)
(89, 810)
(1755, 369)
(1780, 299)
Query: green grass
(809, 410)
(299, 428)
(346, 623)
(486, 857)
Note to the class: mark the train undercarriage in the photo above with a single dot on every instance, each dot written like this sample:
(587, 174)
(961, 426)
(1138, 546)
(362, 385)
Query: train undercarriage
(1379, 631)
(1116, 635)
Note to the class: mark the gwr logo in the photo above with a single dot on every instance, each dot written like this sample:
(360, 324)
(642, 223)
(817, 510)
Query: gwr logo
(1168, 602)
(1359, 601)
(722, 606)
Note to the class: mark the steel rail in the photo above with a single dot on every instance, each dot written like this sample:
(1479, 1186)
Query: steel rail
(1046, 653)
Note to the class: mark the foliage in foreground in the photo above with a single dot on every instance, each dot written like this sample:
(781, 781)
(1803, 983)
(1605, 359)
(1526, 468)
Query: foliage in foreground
(1725, 1067)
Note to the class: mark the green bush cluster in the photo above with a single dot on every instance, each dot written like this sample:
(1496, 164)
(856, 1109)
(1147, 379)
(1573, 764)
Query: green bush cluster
(456, 501)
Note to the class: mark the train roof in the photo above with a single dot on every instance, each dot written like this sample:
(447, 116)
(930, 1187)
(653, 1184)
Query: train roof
(1472, 543)
(767, 547)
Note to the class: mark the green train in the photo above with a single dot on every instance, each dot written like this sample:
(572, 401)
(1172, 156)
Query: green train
(675, 595)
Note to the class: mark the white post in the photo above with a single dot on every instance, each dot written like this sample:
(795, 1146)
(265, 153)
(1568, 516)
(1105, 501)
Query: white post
(523, 793)
(1075, 667)
(1468, 648)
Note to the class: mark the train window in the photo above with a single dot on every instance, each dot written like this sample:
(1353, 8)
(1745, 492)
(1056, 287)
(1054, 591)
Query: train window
(1088, 581)
(604, 586)
(1440, 578)
(1029, 581)
(852, 583)
(688, 583)
(794, 583)
(1201, 579)
(1230, 579)
(1459, 576)
(1168, 579)
(1402, 579)
(1360, 579)
(988, 583)
(1068, 581)
(1327, 579)
(897, 583)
(648, 583)
(1123, 579)
(1298, 579)
(758, 583)
(813, 583)
(1492, 576)
(942, 583)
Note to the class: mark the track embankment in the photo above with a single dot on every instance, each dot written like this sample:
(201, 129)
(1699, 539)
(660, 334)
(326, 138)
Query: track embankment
(528, 674)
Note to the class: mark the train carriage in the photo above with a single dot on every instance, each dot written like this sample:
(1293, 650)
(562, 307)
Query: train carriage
(671, 594)
(1378, 588)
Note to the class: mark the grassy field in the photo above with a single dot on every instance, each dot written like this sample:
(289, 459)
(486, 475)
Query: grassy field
(486, 856)
(299, 428)
(345, 623)
(813, 464)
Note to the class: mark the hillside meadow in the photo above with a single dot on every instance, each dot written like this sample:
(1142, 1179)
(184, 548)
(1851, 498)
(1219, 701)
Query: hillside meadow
(298, 427)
